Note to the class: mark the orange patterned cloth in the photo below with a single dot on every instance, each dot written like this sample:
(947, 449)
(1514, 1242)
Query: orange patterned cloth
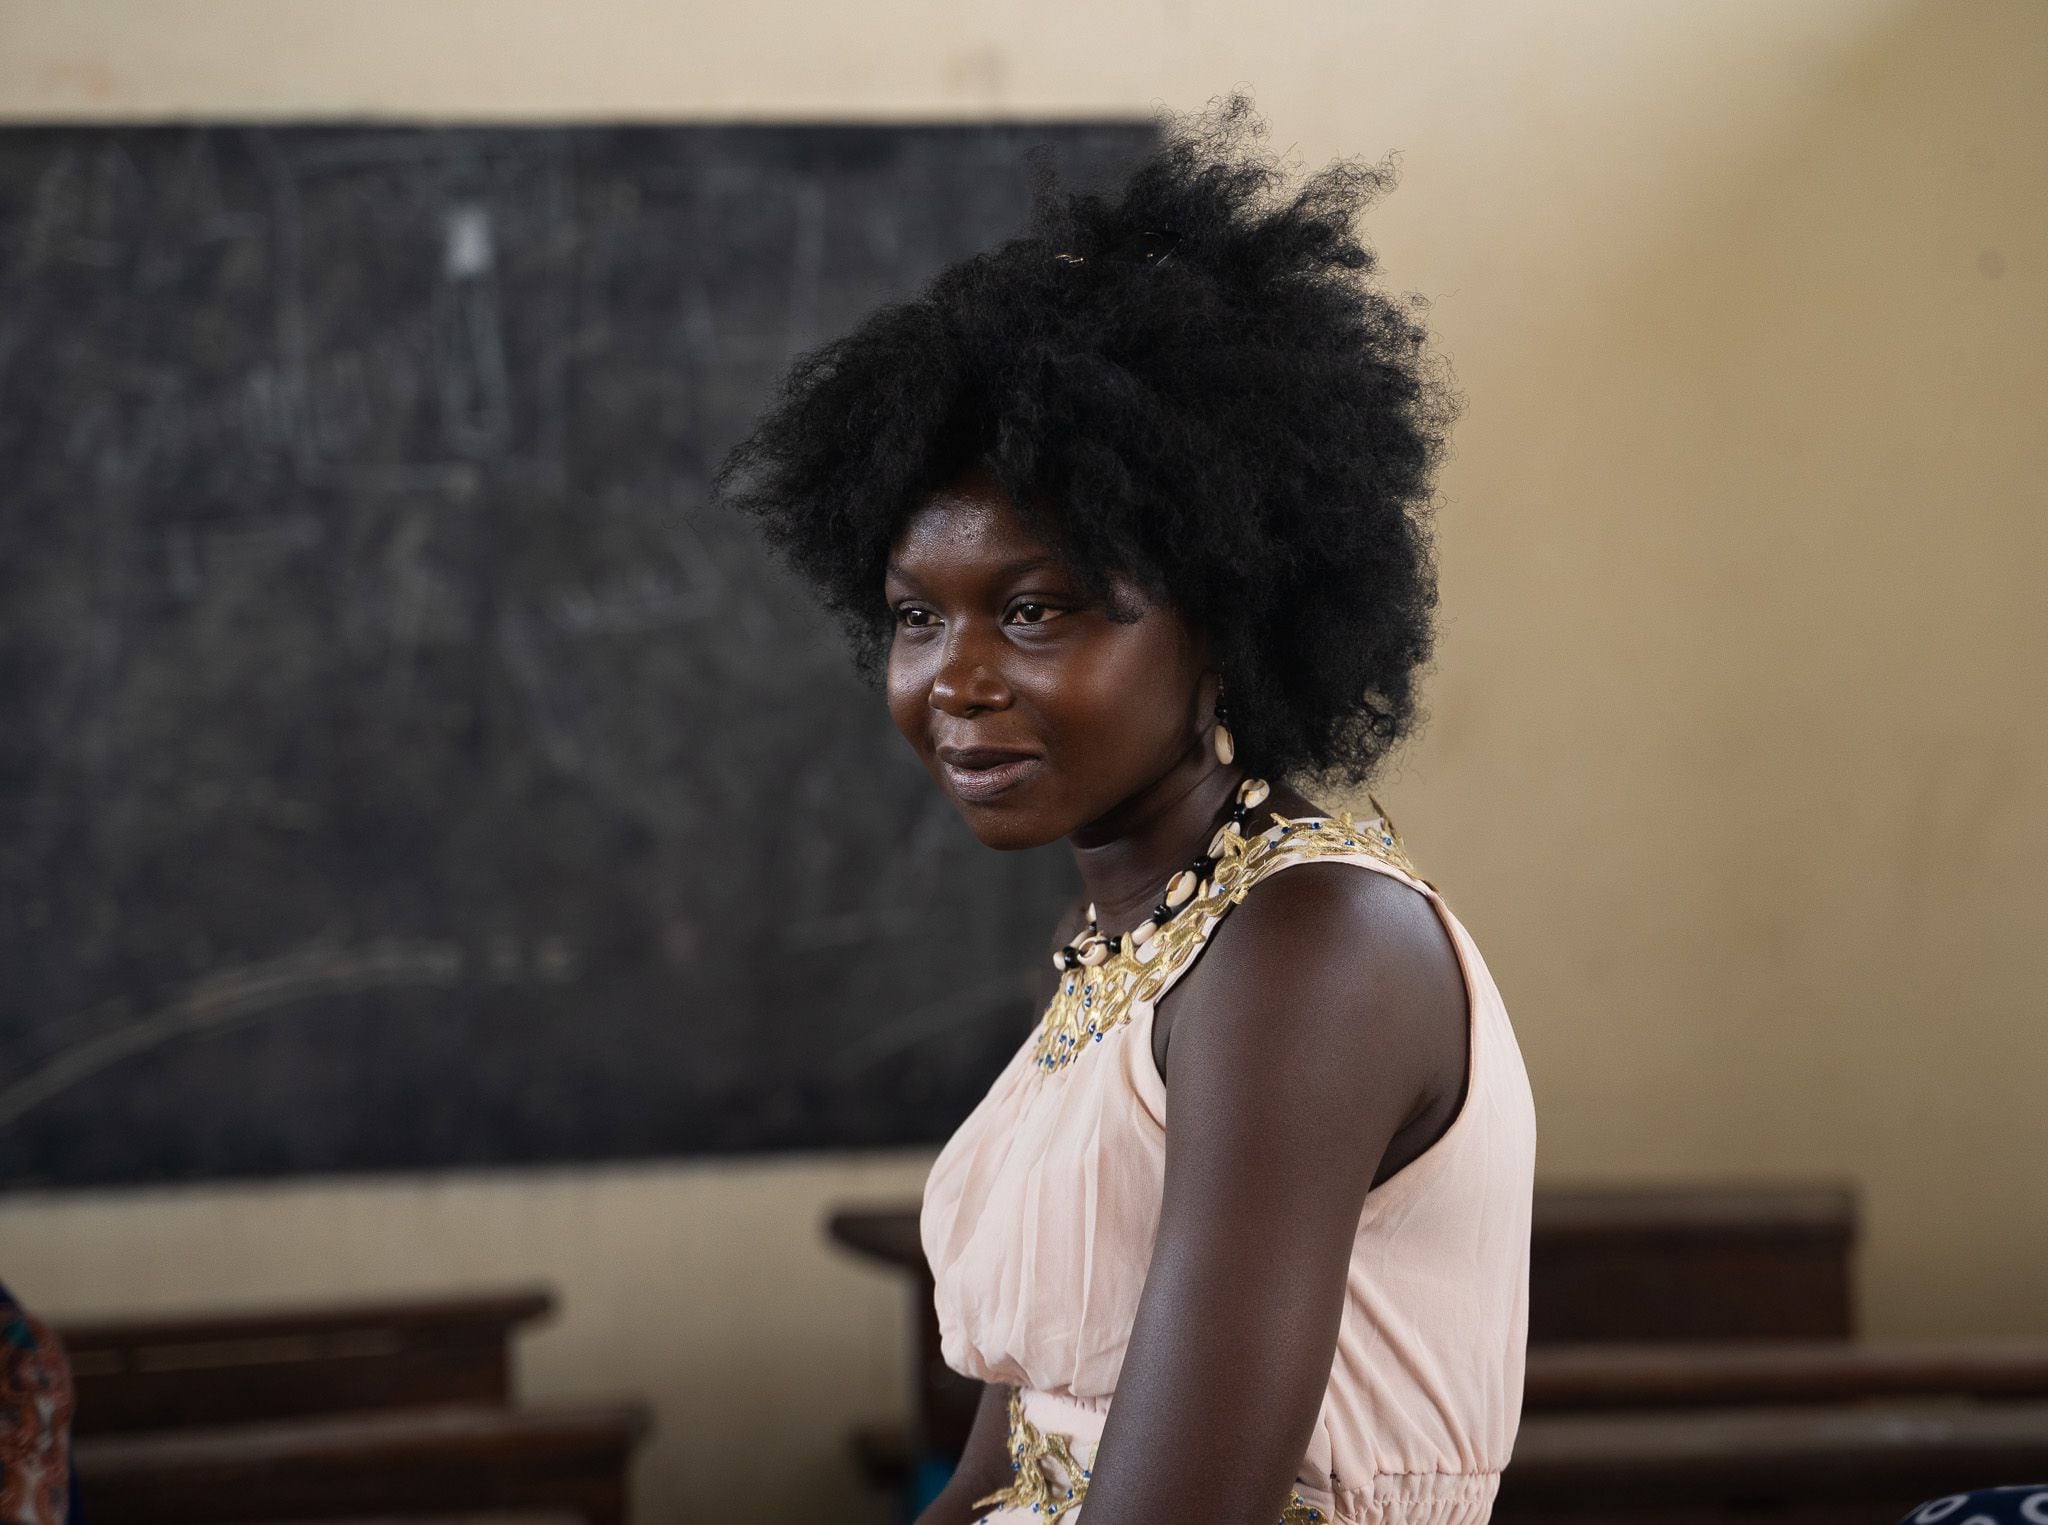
(35, 1421)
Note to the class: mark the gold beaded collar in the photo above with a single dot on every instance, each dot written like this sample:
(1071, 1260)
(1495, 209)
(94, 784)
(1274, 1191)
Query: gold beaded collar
(1091, 1000)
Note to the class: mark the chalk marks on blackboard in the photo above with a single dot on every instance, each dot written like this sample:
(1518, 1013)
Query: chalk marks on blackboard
(902, 877)
(266, 991)
(806, 266)
(359, 477)
(679, 585)
(979, 1004)
(197, 555)
(81, 206)
(469, 340)
(450, 372)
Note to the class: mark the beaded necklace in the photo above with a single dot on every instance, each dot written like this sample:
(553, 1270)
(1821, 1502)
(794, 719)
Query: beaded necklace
(1091, 948)
(1101, 981)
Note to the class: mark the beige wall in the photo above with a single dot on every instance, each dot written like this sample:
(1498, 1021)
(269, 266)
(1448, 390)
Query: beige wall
(1739, 769)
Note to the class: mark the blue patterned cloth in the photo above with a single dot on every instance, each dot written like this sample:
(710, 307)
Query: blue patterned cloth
(2020, 1504)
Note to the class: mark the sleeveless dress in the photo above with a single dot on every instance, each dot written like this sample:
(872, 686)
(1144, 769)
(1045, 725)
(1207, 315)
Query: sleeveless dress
(1039, 1217)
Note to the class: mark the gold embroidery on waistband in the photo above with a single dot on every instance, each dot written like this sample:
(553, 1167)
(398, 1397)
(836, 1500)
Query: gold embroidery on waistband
(1090, 1001)
(1300, 1511)
(1032, 1489)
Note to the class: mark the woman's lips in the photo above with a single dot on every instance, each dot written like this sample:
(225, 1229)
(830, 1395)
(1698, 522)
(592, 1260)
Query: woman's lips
(985, 783)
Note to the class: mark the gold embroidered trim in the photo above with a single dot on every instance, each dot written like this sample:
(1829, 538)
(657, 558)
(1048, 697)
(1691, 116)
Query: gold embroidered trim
(1300, 1511)
(1032, 1489)
(1090, 1002)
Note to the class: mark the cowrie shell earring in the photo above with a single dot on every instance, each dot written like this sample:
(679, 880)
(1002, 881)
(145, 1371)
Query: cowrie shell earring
(1226, 744)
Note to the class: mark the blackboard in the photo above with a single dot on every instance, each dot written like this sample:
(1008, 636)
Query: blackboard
(401, 764)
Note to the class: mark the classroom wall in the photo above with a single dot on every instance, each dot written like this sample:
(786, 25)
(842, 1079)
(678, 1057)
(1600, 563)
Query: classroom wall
(1739, 766)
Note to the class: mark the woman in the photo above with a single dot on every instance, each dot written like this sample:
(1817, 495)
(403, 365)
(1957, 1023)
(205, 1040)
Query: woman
(1130, 513)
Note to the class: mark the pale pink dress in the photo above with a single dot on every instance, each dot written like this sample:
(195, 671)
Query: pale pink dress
(1040, 1213)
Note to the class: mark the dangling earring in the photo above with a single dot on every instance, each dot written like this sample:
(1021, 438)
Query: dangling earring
(1226, 744)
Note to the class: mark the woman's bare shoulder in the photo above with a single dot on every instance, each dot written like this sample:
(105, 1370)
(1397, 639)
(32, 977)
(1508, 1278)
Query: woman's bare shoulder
(1334, 971)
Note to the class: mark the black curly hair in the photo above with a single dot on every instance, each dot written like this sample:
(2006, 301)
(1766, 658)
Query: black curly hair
(1194, 387)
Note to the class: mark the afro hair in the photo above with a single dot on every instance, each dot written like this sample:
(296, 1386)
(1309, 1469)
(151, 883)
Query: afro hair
(1194, 387)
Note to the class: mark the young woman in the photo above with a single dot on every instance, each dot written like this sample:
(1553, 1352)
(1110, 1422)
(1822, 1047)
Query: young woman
(1131, 514)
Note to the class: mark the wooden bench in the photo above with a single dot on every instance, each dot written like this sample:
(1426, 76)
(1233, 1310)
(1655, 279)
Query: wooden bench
(1691, 1263)
(425, 1462)
(214, 1369)
(1590, 1377)
(1864, 1465)
(495, 1518)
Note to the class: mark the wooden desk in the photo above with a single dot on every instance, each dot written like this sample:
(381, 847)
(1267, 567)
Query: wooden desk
(942, 1402)
(1862, 1465)
(430, 1462)
(1691, 1263)
(213, 1369)
(449, 1519)
(1636, 1377)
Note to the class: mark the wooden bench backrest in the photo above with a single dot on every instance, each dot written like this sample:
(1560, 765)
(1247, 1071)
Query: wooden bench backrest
(1675, 1263)
(164, 1372)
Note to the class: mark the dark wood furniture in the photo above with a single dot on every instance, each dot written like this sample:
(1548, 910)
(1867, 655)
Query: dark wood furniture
(942, 1402)
(1636, 1377)
(221, 1368)
(1691, 1263)
(1838, 1465)
(429, 1462)
(398, 1410)
(495, 1518)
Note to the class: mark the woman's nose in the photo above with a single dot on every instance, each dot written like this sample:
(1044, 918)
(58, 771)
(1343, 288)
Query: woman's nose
(969, 677)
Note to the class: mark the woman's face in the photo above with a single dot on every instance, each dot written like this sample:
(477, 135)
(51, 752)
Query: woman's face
(1036, 713)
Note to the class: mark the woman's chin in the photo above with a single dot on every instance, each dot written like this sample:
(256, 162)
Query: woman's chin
(1008, 830)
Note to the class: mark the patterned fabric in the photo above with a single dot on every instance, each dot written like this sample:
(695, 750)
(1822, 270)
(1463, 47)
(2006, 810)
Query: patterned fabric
(2026, 1502)
(35, 1421)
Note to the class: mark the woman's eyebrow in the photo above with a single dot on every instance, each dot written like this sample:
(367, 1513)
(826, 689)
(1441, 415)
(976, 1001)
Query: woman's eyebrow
(1008, 571)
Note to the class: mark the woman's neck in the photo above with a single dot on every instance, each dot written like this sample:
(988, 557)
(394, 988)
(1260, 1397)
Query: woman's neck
(1127, 856)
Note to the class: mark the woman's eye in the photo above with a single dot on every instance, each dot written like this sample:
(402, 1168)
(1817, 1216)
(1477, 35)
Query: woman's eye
(913, 618)
(1030, 611)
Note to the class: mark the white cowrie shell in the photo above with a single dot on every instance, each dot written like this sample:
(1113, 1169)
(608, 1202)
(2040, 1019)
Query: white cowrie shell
(1142, 933)
(1095, 953)
(1252, 792)
(1181, 887)
(1226, 747)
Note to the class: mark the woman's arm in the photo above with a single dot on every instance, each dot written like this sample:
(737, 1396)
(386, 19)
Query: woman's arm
(1332, 1019)
(984, 1466)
